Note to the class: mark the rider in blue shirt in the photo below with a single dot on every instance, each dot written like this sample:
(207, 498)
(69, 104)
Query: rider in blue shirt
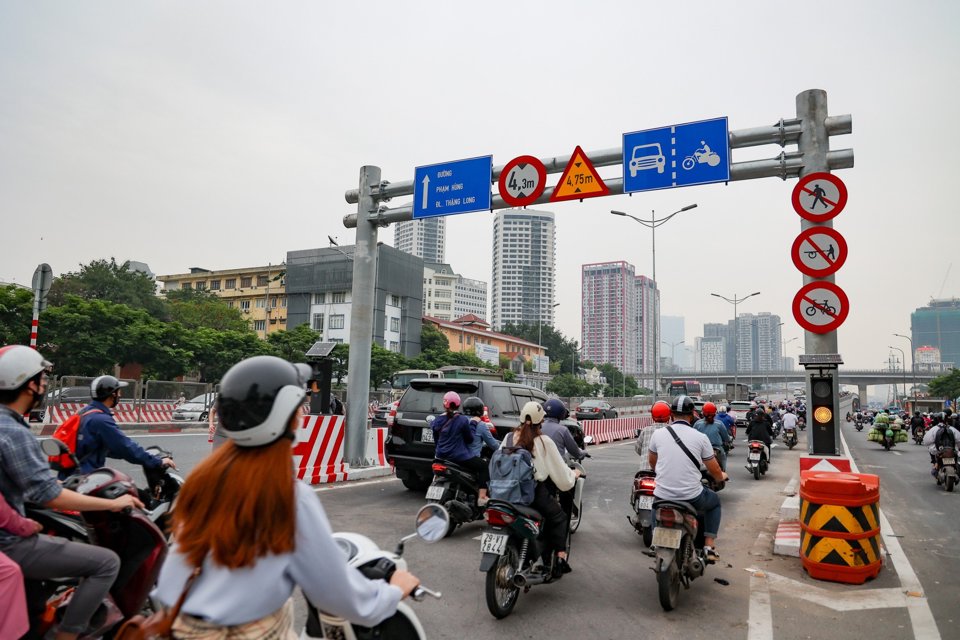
(716, 432)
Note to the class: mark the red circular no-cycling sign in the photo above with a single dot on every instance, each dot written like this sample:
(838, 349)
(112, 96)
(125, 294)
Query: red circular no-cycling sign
(522, 181)
(819, 251)
(820, 307)
(819, 197)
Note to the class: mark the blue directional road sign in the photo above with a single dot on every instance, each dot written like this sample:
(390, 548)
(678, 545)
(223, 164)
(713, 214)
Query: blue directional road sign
(460, 186)
(676, 156)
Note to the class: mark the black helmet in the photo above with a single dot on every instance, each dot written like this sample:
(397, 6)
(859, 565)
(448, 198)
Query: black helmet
(681, 405)
(473, 406)
(554, 408)
(258, 396)
(105, 386)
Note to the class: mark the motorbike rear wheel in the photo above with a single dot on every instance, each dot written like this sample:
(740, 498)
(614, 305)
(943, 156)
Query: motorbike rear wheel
(668, 584)
(648, 536)
(500, 591)
(756, 472)
(950, 483)
(886, 444)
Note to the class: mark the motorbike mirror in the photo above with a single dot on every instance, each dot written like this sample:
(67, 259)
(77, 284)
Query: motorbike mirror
(53, 447)
(432, 522)
(587, 439)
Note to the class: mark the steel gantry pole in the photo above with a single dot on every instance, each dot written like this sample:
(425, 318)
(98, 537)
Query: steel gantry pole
(736, 339)
(903, 369)
(652, 224)
(913, 367)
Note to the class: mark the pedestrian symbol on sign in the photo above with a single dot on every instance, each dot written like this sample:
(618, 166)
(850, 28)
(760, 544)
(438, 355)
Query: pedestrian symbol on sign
(818, 194)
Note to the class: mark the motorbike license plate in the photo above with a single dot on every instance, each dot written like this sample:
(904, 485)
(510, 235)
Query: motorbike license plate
(435, 492)
(426, 435)
(754, 456)
(644, 502)
(495, 543)
(667, 538)
(947, 461)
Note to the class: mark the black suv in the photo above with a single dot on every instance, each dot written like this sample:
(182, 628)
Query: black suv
(410, 446)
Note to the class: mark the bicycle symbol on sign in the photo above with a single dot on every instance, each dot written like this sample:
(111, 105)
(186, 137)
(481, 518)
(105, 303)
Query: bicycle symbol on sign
(824, 307)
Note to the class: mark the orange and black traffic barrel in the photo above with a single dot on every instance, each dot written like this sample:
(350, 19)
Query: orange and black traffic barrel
(840, 526)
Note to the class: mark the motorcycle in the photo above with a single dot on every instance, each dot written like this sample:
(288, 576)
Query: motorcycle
(757, 462)
(130, 534)
(703, 155)
(511, 551)
(678, 538)
(918, 434)
(889, 439)
(802, 423)
(790, 437)
(376, 564)
(947, 473)
(777, 425)
(858, 423)
(457, 490)
(641, 501)
(574, 503)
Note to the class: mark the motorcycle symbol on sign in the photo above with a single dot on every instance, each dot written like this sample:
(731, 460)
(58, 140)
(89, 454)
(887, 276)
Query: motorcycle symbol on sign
(703, 155)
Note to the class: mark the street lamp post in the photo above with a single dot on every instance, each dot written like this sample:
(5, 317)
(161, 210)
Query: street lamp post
(913, 367)
(903, 369)
(540, 324)
(736, 339)
(673, 351)
(652, 224)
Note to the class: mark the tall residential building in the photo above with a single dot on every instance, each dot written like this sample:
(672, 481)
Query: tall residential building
(448, 296)
(759, 347)
(938, 325)
(722, 330)
(523, 288)
(424, 238)
(609, 314)
(648, 324)
(672, 342)
(713, 354)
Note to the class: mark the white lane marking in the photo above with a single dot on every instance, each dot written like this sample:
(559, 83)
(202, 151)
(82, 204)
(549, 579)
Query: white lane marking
(839, 600)
(921, 617)
(355, 483)
(168, 435)
(896, 453)
(760, 621)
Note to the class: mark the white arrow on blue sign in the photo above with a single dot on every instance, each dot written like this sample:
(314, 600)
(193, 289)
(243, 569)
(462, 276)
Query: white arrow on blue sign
(680, 155)
(460, 186)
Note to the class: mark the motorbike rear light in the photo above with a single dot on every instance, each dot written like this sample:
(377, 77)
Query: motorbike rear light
(439, 468)
(669, 517)
(648, 484)
(498, 518)
(691, 521)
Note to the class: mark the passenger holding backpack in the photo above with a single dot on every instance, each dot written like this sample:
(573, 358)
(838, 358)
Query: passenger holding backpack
(547, 465)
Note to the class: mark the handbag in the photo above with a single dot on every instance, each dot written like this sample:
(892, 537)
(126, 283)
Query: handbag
(158, 625)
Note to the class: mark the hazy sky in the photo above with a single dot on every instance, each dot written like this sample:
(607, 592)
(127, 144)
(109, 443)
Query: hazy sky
(222, 134)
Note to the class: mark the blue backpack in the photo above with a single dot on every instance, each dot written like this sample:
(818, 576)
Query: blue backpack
(511, 475)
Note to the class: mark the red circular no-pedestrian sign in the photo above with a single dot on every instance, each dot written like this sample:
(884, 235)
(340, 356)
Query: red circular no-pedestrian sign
(522, 181)
(819, 197)
(820, 307)
(819, 251)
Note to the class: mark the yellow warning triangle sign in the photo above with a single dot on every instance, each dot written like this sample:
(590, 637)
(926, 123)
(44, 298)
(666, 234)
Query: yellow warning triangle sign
(579, 180)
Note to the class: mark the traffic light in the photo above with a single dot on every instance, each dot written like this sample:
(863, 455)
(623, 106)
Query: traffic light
(823, 421)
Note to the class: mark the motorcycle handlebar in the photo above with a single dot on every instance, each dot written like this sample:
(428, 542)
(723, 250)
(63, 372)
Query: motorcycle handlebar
(421, 592)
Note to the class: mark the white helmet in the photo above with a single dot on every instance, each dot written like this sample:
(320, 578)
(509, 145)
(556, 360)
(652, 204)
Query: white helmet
(533, 411)
(18, 364)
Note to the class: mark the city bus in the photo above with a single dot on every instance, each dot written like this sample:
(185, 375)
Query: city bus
(685, 388)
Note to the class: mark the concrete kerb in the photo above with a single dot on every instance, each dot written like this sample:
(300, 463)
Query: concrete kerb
(787, 539)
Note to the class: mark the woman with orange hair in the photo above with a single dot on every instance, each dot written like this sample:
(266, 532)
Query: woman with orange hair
(250, 533)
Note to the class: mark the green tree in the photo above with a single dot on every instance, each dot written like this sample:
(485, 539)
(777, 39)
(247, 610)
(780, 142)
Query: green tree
(383, 364)
(292, 345)
(16, 312)
(194, 309)
(946, 386)
(567, 386)
(560, 349)
(341, 361)
(216, 351)
(107, 280)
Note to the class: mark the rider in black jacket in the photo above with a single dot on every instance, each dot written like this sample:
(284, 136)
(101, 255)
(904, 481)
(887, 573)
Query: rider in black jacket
(760, 427)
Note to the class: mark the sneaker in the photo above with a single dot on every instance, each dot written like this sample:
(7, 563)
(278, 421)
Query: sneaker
(711, 555)
(933, 472)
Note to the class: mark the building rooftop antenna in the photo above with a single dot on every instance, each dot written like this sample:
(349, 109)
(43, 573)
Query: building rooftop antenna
(944, 283)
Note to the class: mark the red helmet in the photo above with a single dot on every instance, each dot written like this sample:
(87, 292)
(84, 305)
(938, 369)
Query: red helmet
(709, 409)
(660, 411)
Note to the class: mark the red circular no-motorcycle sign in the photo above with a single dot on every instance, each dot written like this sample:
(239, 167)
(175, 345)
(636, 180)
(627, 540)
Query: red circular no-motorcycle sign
(819, 197)
(820, 307)
(522, 181)
(819, 251)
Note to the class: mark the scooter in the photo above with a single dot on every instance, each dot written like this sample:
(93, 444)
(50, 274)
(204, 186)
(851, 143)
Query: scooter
(947, 474)
(130, 534)
(457, 490)
(641, 502)
(790, 437)
(889, 439)
(377, 564)
(858, 423)
(511, 551)
(918, 434)
(757, 462)
(801, 423)
(678, 538)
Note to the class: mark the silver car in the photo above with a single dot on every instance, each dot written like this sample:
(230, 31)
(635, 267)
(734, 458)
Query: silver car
(195, 410)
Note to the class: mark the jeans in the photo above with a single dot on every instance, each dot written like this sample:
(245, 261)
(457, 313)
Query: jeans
(41, 557)
(708, 503)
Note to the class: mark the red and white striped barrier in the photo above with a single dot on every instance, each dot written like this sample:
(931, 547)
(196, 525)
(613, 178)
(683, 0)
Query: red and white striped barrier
(318, 454)
(376, 455)
(124, 414)
(615, 429)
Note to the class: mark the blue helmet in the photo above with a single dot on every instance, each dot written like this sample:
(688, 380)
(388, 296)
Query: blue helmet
(554, 408)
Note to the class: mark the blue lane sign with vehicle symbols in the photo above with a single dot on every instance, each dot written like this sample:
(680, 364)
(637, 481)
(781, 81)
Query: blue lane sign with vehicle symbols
(680, 155)
(460, 186)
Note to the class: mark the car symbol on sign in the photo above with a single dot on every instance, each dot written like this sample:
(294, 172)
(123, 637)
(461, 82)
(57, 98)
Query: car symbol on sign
(647, 156)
